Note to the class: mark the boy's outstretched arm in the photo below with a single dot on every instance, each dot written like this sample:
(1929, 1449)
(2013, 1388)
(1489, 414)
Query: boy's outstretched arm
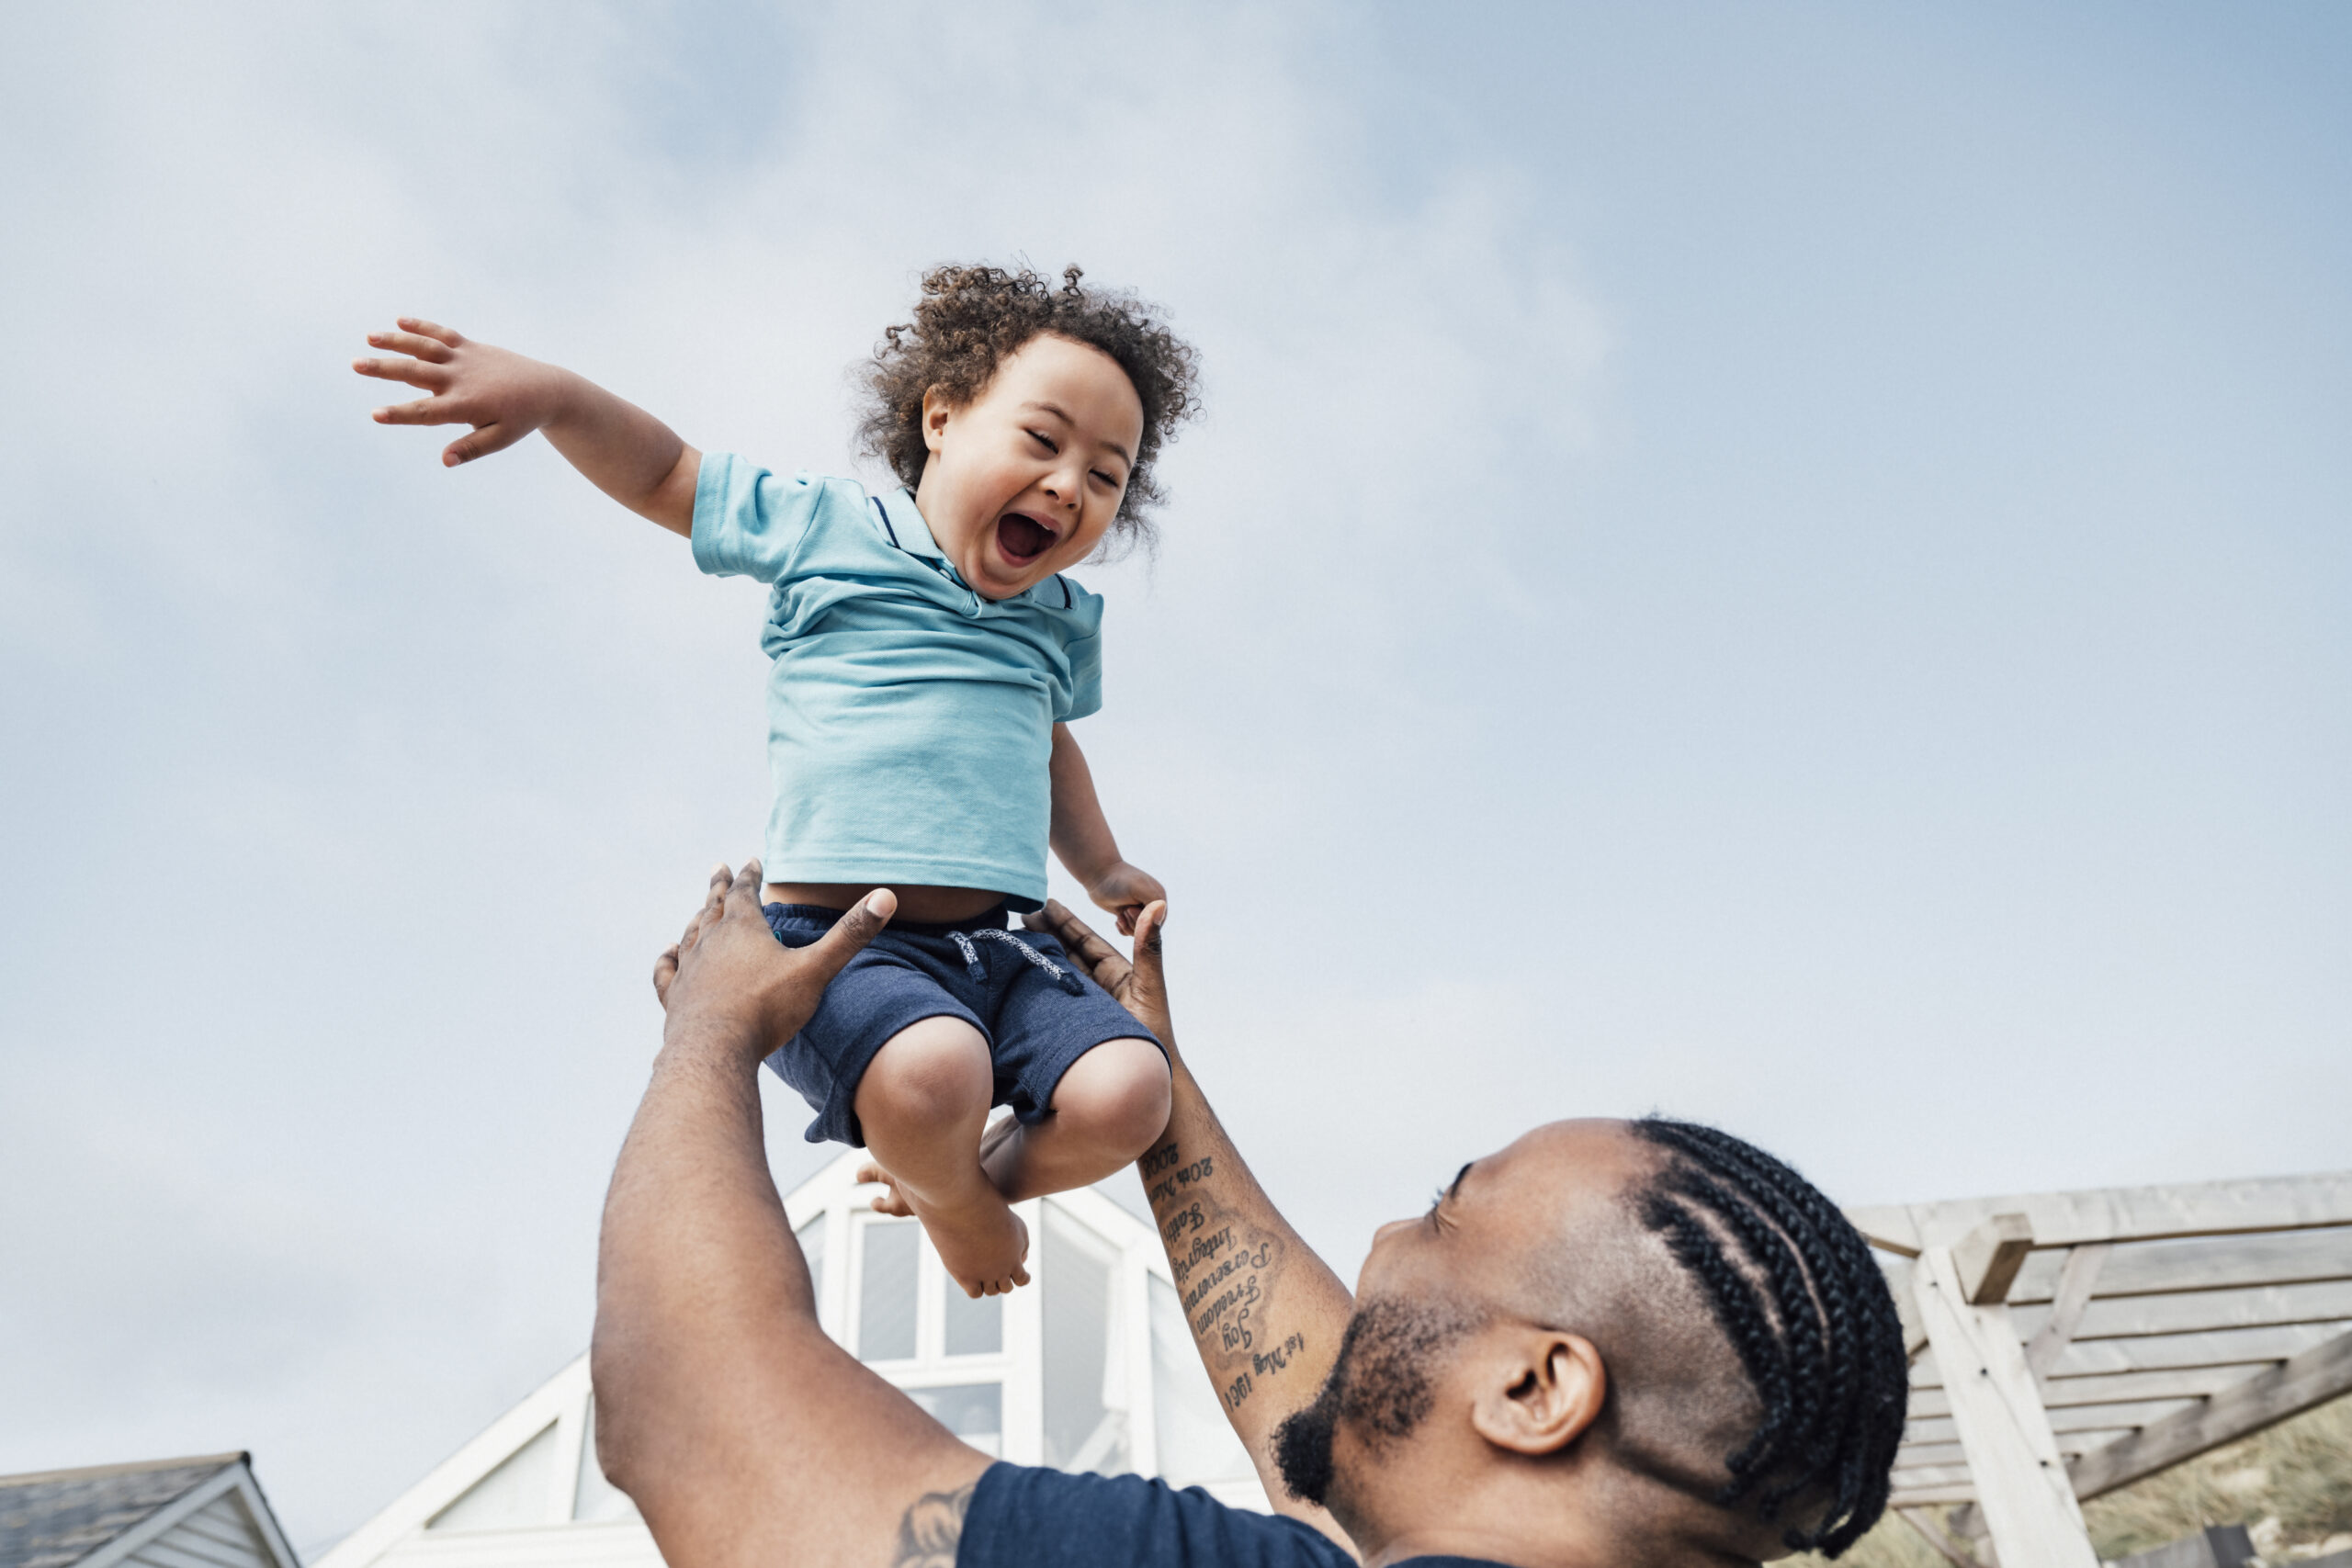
(1265, 1313)
(1082, 838)
(623, 451)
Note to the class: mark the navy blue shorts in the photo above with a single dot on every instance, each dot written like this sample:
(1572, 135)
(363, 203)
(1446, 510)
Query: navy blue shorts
(1029, 1002)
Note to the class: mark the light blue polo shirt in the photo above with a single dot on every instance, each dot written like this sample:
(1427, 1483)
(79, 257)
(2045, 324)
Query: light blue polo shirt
(909, 719)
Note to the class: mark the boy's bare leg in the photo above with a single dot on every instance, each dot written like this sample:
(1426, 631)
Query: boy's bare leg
(1110, 1106)
(921, 1103)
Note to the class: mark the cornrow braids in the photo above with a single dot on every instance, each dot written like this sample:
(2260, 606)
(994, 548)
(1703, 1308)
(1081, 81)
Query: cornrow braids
(971, 319)
(1794, 1289)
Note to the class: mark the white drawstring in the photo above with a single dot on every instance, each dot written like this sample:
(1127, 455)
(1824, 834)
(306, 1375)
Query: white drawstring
(1067, 979)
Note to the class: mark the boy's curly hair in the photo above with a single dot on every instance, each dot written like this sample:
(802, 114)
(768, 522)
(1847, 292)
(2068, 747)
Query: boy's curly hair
(971, 319)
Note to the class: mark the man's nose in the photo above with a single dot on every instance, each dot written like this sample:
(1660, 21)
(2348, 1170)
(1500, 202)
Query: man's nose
(1391, 1228)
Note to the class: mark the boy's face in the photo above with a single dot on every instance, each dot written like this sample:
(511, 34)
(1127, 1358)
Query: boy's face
(1024, 480)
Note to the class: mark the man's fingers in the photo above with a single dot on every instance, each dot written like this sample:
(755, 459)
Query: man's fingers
(432, 330)
(665, 969)
(417, 343)
(1102, 960)
(415, 372)
(712, 899)
(743, 897)
(486, 439)
(425, 411)
(851, 933)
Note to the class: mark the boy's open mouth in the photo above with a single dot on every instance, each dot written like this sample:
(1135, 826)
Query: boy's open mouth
(1022, 538)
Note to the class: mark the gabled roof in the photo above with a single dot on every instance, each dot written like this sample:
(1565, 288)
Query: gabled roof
(99, 1516)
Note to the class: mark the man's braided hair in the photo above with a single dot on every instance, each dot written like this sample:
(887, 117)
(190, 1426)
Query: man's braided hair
(971, 319)
(1796, 1291)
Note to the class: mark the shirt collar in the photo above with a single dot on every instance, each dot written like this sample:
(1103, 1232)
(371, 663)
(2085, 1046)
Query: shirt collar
(907, 524)
(913, 536)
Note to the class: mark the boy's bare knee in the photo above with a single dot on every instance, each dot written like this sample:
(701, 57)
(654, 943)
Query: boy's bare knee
(930, 1073)
(1118, 1094)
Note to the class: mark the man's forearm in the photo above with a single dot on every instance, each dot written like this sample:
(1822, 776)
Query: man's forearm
(697, 1262)
(625, 452)
(1265, 1313)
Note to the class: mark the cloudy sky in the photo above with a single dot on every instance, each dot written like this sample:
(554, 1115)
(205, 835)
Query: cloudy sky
(1788, 565)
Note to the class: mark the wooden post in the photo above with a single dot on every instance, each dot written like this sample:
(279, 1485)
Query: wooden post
(2022, 1483)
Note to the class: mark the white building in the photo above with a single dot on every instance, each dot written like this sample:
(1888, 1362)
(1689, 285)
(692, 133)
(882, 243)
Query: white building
(1089, 1367)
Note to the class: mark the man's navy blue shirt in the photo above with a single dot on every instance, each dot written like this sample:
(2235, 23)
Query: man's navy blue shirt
(1026, 1518)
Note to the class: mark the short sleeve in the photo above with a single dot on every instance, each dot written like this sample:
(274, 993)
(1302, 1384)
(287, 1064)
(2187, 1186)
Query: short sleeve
(748, 521)
(1026, 1518)
(1085, 679)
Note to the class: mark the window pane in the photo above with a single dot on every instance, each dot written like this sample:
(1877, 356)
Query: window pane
(974, 1328)
(1196, 1442)
(886, 1307)
(1082, 1430)
(974, 1412)
(813, 1246)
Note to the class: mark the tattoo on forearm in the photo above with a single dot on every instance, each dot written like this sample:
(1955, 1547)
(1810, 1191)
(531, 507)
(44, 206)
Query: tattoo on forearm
(1225, 1273)
(932, 1528)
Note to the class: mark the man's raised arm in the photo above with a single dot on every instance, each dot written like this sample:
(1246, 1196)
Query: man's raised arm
(1265, 1313)
(747, 1438)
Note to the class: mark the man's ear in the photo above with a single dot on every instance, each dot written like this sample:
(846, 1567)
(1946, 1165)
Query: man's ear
(936, 407)
(1540, 1398)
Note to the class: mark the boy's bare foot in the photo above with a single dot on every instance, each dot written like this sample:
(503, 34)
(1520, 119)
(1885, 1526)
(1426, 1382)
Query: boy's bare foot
(981, 1242)
(891, 1200)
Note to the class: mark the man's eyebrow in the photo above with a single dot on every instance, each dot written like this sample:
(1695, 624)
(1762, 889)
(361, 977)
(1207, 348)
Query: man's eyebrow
(1455, 1190)
(1063, 414)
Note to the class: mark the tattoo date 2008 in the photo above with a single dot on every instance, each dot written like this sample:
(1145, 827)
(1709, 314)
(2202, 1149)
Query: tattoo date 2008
(1222, 1279)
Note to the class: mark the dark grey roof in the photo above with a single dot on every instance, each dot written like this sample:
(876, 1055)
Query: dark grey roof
(59, 1517)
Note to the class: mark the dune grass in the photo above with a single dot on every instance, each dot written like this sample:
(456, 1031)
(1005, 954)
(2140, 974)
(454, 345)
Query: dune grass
(2292, 1485)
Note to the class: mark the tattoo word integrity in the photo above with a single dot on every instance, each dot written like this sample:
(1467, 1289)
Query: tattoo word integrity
(931, 1529)
(1225, 1274)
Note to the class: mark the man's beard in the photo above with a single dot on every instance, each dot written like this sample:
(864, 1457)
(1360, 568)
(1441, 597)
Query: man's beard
(1379, 1385)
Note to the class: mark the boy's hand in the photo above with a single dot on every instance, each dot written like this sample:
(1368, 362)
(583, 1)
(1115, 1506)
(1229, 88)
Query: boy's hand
(502, 394)
(1123, 890)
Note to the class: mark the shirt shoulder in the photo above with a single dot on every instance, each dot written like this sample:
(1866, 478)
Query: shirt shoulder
(1022, 1514)
(751, 522)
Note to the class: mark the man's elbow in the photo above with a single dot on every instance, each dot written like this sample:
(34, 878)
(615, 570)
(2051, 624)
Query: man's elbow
(614, 1424)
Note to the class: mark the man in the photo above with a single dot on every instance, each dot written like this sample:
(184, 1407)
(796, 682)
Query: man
(1608, 1344)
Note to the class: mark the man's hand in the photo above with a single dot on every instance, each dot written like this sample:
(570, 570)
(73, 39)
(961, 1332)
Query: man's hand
(728, 976)
(502, 394)
(746, 1436)
(1267, 1343)
(1140, 987)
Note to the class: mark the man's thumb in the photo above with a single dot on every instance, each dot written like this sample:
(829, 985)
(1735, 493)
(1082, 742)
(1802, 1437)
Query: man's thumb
(1151, 975)
(852, 931)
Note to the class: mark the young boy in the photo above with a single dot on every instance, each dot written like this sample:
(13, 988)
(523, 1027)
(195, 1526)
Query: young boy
(928, 656)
